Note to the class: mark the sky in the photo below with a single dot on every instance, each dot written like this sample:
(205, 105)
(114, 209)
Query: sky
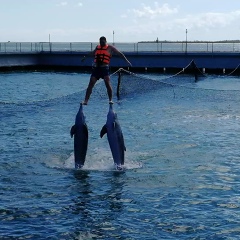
(119, 20)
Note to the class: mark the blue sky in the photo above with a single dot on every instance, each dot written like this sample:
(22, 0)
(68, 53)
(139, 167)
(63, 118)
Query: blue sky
(131, 20)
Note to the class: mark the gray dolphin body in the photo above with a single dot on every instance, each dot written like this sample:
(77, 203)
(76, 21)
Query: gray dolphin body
(115, 138)
(80, 133)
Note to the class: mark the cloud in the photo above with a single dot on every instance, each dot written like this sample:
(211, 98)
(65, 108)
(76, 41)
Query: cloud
(171, 22)
(170, 18)
(153, 12)
(208, 20)
(62, 4)
(123, 16)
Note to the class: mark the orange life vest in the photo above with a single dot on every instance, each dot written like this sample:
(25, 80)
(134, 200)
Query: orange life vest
(102, 56)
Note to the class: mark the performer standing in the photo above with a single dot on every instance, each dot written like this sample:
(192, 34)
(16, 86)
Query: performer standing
(103, 53)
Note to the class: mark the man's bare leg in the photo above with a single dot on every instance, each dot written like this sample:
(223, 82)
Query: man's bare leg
(109, 88)
(91, 84)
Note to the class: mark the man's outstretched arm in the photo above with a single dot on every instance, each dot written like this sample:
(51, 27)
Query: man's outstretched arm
(121, 55)
(89, 54)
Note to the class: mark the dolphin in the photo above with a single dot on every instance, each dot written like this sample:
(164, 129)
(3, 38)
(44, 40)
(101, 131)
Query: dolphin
(80, 132)
(115, 138)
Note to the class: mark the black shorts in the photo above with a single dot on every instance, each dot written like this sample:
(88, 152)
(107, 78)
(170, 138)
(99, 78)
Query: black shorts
(100, 72)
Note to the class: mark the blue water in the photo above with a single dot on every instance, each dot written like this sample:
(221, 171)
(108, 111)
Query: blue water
(182, 160)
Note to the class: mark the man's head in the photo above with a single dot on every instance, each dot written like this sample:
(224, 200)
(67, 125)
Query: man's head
(102, 41)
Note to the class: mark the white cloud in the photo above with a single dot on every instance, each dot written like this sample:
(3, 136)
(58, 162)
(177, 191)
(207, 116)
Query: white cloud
(170, 23)
(153, 12)
(148, 16)
(123, 16)
(208, 20)
(80, 4)
(62, 4)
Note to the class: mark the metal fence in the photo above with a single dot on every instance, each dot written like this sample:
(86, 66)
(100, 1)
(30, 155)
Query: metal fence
(165, 46)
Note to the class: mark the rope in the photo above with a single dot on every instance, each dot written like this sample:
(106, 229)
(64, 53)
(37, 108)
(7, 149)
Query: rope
(145, 77)
(233, 70)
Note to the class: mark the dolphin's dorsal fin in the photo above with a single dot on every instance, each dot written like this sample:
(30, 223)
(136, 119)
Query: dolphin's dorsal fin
(103, 131)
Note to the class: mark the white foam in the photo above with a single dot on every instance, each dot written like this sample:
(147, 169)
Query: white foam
(101, 160)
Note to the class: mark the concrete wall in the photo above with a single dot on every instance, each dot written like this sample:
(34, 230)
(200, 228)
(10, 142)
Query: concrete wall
(18, 59)
(139, 60)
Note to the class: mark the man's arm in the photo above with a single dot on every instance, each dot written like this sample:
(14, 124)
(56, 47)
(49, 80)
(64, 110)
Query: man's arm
(120, 54)
(89, 54)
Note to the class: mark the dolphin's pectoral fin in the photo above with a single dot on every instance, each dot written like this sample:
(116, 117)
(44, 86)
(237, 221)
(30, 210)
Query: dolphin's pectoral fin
(103, 131)
(73, 130)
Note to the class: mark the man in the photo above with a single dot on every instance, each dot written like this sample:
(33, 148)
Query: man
(103, 53)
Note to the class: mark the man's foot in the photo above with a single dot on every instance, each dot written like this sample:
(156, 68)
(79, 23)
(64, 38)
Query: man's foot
(110, 102)
(84, 103)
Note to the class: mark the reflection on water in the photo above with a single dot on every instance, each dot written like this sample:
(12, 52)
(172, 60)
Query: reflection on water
(97, 206)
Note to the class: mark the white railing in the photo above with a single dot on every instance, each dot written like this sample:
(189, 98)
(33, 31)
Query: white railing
(164, 46)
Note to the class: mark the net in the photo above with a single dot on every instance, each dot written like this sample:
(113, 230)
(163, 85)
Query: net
(187, 84)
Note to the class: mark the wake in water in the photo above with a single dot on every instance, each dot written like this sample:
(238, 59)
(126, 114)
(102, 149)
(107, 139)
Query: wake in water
(98, 160)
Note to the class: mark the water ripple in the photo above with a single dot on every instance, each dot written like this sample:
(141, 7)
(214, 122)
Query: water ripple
(181, 179)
